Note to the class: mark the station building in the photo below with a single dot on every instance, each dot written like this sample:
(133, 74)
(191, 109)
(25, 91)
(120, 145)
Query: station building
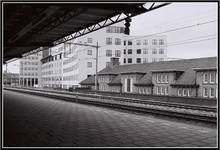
(186, 78)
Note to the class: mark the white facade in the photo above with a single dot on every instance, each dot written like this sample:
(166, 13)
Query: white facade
(139, 49)
(29, 70)
(78, 62)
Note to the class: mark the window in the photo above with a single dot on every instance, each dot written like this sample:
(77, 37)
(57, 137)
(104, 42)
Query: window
(145, 51)
(162, 90)
(124, 51)
(145, 60)
(211, 92)
(124, 60)
(161, 51)
(184, 92)
(163, 78)
(158, 90)
(117, 53)
(166, 91)
(109, 41)
(109, 53)
(212, 76)
(179, 92)
(205, 78)
(158, 78)
(189, 93)
(124, 42)
(129, 51)
(117, 41)
(89, 40)
(129, 42)
(145, 42)
(128, 85)
(138, 51)
(167, 79)
(89, 64)
(154, 59)
(138, 60)
(154, 42)
(161, 42)
(205, 92)
(154, 51)
(138, 42)
(129, 60)
(89, 52)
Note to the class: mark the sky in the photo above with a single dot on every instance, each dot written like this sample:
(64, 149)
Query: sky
(197, 41)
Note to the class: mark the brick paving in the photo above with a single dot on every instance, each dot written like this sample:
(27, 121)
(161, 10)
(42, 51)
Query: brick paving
(34, 121)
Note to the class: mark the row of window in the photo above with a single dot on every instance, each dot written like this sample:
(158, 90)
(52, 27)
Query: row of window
(29, 68)
(29, 63)
(209, 92)
(145, 51)
(146, 42)
(113, 29)
(71, 59)
(51, 58)
(144, 90)
(29, 74)
(31, 57)
(145, 60)
(185, 92)
(109, 41)
(161, 78)
(162, 90)
(52, 79)
(71, 68)
(73, 77)
(117, 53)
(209, 78)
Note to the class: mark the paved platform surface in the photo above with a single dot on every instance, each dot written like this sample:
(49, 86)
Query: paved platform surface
(35, 121)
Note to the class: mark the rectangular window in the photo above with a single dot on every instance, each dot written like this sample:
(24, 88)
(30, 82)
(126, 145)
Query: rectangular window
(161, 51)
(138, 42)
(145, 51)
(145, 60)
(89, 52)
(138, 51)
(129, 42)
(158, 78)
(145, 42)
(163, 78)
(154, 42)
(158, 90)
(89, 64)
(179, 92)
(189, 93)
(166, 91)
(161, 42)
(89, 40)
(205, 92)
(162, 90)
(124, 42)
(184, 92)
(117, 41)
(138, 60)
(109, 53)
(124, 51)
(154, 51)
(212, 77)
(211, 92)
(129, 60)
(109, 41)
(205, 78)
(117, 53)
(129, 51)
(124, 60)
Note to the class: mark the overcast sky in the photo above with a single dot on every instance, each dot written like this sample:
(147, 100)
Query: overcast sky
(190, 42)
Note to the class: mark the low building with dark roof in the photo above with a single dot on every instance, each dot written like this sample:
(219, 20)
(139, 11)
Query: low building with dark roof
(186, 77)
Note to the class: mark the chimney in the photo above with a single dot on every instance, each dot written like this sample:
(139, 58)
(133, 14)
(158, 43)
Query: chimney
(114, 61)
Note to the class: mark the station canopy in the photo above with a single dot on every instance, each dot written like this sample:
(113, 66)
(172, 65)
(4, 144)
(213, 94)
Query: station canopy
(28, 26)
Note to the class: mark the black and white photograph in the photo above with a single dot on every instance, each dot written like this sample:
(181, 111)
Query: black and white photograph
(114, 74)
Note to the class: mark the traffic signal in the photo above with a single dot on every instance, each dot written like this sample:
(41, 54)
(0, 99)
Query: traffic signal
(127, 25)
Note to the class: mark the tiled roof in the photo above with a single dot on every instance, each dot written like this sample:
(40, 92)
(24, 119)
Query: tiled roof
(186, 65)
(116, 80)
(88, 81)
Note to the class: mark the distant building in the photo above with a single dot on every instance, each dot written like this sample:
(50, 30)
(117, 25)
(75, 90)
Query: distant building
(186, 78)
(29, 70)
(11, 79)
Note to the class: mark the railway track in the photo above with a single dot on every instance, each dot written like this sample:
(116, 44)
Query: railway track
(127, 104)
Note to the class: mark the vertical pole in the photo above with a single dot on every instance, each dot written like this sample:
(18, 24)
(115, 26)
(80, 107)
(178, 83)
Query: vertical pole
(96, 69)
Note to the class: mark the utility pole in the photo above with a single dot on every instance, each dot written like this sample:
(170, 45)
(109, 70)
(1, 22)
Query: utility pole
(96, 69)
